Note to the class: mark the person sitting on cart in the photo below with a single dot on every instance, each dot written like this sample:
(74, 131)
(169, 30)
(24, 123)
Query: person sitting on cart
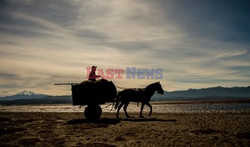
(92, 75)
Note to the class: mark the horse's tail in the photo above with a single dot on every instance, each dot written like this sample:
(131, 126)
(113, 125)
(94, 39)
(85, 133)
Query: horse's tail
(117, 101)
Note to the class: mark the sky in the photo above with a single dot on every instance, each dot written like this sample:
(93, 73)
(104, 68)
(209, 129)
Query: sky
(197, 43)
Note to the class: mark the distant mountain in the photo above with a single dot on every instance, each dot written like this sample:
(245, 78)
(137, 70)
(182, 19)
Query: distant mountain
(24, 95)
(28, 97)
(213, 93)
(206, 93)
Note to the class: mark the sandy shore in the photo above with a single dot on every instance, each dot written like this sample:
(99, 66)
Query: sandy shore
(169, 129)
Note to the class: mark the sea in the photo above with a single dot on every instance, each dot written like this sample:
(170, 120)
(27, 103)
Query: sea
(134, 107)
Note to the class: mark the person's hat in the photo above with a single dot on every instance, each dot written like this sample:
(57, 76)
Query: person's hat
(94, 66)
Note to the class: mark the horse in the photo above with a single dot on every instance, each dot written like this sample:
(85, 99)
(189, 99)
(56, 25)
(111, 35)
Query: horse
(142, 95)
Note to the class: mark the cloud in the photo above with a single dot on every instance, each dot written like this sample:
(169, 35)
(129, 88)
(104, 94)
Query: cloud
(197, 45)
(231, 54)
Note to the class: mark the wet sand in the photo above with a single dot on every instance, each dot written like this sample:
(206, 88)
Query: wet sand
(168, 129)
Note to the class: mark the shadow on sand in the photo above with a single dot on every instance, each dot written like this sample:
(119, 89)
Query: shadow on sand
(109, 121)
(99, 121)
(148, 119)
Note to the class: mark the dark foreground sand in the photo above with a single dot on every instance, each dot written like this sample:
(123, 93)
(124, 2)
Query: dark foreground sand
(169, 129)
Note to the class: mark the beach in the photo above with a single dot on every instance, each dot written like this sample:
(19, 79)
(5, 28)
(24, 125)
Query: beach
(160, 129)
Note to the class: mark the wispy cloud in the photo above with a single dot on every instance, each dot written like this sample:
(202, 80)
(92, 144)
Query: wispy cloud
(232, 54)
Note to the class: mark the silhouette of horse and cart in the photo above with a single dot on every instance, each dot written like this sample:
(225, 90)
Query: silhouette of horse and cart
(92, 94)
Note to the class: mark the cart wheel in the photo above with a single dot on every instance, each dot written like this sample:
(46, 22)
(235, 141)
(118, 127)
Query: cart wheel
(93, 112)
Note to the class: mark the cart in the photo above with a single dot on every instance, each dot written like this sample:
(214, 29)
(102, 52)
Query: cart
(92, 94)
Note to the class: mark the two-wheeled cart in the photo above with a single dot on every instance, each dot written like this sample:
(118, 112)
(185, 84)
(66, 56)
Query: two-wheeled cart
(92, 94)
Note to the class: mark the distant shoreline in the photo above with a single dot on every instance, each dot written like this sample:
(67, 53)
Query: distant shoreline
(159, 102)
(203, 101)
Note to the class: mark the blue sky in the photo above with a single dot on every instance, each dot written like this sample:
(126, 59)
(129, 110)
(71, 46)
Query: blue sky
(197, 43)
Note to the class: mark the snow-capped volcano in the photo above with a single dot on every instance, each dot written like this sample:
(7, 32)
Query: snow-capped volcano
(24, 95)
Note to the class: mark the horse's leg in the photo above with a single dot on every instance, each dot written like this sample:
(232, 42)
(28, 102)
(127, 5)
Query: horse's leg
(142, 106)
(119, 107)
(125, 109)
(150, 108)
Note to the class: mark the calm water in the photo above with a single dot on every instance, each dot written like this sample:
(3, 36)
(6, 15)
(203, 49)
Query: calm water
(161, 108)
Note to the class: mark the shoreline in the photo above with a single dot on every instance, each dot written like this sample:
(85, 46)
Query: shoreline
(226, 101)
(162, 107)
(223, 101)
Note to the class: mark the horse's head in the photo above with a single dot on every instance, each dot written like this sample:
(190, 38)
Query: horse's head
(158, 87)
